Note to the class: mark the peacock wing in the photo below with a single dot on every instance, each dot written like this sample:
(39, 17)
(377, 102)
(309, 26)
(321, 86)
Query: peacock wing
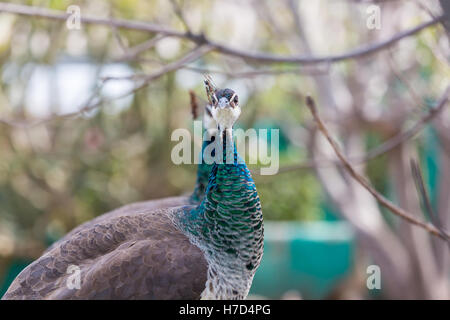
(136, 256)
(126, 210)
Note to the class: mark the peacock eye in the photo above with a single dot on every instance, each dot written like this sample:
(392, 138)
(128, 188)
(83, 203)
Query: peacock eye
(235, 100)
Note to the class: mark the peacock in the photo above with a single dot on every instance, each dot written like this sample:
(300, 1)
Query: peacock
(203, 171)
(209, 250)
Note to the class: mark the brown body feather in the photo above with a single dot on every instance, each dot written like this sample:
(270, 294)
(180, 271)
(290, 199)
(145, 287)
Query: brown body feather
(126, 210)
(140, 255)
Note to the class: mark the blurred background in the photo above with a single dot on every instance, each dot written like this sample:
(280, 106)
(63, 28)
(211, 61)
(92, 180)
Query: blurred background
(77, 139)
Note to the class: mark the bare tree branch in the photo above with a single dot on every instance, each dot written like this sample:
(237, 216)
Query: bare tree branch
(380, 198)
(422, 191)
(191, 56)
(423, 194)
(180, 15)
(377, 151)
(261, 72)
(243, 74)
(134, 52)
(201, 39)
(90, 105)
(194, 104)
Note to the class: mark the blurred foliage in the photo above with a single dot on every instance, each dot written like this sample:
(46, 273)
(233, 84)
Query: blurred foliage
(55, 176)
(296, 196)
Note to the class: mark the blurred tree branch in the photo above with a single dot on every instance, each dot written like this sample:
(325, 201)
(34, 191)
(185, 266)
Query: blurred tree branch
(381, 199)
(383, 148)
(204, 46)
(201, 39)
(406, 258)
(92, 103)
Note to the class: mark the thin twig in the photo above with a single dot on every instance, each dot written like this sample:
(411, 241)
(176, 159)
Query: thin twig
(260, 72)
(88, 106)
(201, 39)
(134, 52)
(421, 190)
(415, 99)
(424, 197)
(194, 104)
(361, 180)
(180, 15)
(243, 74)
(383, 148)
(175, 65)
(423, 194)
(118, 38)
(408, 134)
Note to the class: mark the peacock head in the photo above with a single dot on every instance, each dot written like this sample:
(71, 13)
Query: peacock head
(225, 108)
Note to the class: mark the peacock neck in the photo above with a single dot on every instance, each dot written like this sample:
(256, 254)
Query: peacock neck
(228, 225)
(203, 172)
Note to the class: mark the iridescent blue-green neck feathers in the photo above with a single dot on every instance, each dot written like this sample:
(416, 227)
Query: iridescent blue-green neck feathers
(203, 172)
(228, 222)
